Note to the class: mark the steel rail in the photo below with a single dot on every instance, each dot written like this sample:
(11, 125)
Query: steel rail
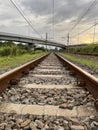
(90, 81)
(13, 76)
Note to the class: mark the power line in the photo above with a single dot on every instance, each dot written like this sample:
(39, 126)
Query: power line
(94, 33)
(85, 30)
(53, 19)
(22, 14)
(82, 16)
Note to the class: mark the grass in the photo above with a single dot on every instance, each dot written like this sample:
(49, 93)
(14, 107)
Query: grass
(92, 49)
(82, 61)
(9, 62)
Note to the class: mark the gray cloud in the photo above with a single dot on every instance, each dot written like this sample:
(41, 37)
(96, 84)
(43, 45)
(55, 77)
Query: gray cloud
(7, 11)
(64, 9)
(38, 7)
(66, 12)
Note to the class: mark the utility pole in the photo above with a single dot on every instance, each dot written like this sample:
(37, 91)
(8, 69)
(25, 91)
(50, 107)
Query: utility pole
(46, 40)
(94, 32)
(67, 41)
(53, 20)
(78, 40)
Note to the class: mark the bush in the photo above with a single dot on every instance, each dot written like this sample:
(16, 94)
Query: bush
(11, 49)
(5, 51)
(93, 48)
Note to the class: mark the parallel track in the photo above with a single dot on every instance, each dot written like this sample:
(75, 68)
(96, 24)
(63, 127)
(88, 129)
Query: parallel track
(87, 54)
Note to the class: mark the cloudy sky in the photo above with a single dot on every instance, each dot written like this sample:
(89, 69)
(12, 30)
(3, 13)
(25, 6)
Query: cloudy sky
(40, 14)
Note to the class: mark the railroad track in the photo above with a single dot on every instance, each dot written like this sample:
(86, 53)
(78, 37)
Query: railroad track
(48, 96)
(88, 54)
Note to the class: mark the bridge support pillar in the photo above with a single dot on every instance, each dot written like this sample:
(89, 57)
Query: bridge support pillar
(31, 47)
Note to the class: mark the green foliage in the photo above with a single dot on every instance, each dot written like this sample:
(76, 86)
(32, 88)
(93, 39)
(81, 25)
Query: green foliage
(7, 43)
(82, 61)
(93, 48)
(5, 51)
(12, 49)
(8, 62)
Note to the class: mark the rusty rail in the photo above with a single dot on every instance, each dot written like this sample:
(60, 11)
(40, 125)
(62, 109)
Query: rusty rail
(13, 76)
(90, 81)
(88, 54)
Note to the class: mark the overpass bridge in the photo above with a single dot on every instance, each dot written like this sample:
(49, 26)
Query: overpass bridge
(28, 39)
